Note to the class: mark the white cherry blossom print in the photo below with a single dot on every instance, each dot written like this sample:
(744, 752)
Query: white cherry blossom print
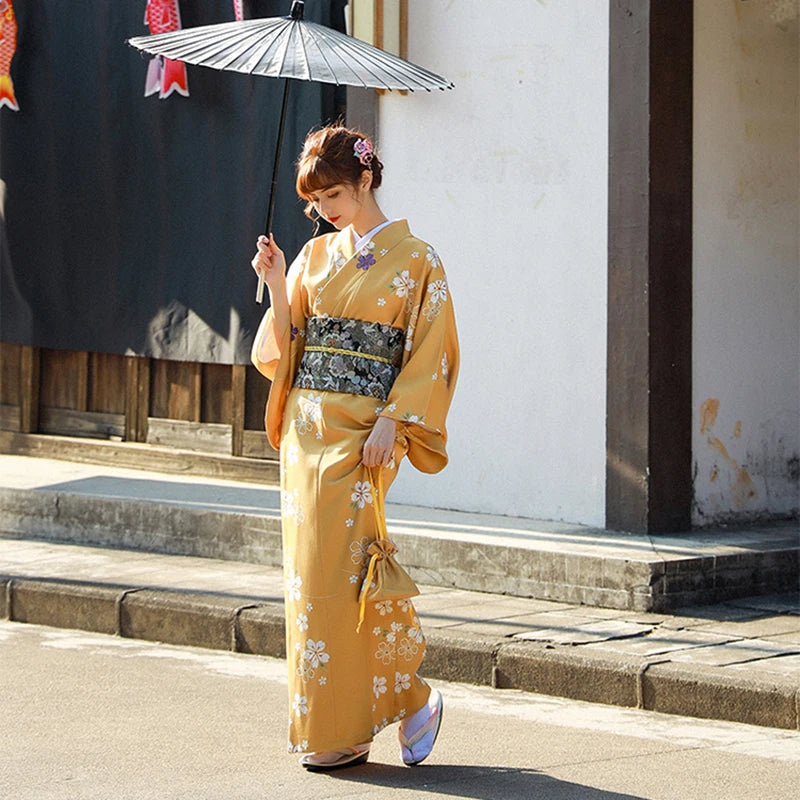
(305, 671)
(302, 622)
(300, 704)
(378, 686)
(433, 258)
(384, 606)
(412, 325)
(358, 550)
(293, 584)
(315, 653)
(437, 295)
(290, 506)
(385, 652)
(437, 291)
(292, 454)
(403, 284)
(362, 494)
(402, 682)
(407, 648)
(309, 413)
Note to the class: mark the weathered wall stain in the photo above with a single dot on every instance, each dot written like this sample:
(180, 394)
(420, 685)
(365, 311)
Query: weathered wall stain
(743, 490)
(708, 414)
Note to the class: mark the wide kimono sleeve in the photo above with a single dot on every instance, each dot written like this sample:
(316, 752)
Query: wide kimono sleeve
(421, 394)
(277, 354)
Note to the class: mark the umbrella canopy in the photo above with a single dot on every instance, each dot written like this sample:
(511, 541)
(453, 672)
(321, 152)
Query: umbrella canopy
(291, 48)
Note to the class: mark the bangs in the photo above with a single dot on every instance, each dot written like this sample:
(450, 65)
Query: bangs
(315, 174)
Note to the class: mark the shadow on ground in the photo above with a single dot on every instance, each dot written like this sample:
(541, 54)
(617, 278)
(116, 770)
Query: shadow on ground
(478, 782)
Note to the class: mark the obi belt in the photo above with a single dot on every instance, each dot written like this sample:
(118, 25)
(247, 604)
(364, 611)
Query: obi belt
(351, 356)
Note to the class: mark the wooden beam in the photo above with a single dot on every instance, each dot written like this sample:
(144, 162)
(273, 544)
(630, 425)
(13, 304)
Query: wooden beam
(403, 28)
(131, 399)
(196, 391)
(143, 399)
(142, 456)
(203, 437)
(238, 396)
(649, 456)
(92, 424)
(29, 390)
(82, 381)
(137, 398)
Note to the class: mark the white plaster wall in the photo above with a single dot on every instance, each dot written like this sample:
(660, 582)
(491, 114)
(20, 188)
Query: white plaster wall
(746, 435)
(507, 177)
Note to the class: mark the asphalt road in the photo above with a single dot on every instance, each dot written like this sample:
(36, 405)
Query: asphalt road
(92, 716)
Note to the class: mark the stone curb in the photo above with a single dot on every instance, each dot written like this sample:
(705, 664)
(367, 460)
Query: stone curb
(222, 622)
(630, 578)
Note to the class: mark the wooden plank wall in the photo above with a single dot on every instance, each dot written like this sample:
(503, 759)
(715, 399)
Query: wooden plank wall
(209, 408)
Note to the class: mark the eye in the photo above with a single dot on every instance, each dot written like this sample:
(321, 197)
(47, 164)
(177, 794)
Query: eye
(334, 194)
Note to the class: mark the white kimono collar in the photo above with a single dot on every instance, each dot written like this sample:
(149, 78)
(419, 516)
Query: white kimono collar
(360, 241)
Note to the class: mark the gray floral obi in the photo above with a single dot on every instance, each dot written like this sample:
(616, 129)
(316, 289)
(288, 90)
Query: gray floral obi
(348, 355)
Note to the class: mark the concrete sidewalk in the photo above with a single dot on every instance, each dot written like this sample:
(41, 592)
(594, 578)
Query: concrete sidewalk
(201, 516)
(736, 661)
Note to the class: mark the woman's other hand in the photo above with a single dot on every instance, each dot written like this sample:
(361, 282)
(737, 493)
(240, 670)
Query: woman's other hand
(270, 263)
(379, 447)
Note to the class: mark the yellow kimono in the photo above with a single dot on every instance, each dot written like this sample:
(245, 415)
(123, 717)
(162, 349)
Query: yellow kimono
(372, 333)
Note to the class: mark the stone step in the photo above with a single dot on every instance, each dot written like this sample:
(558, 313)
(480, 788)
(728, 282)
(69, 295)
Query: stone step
(210, 517)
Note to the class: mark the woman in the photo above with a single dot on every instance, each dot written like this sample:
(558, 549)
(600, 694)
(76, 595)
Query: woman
(360, 345)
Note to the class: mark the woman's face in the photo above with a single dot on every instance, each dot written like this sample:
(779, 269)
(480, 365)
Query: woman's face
(340, 204)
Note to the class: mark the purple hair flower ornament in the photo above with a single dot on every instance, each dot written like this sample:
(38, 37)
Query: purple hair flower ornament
(363, 151)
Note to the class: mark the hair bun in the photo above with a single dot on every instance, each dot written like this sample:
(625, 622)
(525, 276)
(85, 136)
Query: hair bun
(336, 154)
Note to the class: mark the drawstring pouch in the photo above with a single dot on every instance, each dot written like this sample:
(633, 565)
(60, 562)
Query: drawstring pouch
(385, 579)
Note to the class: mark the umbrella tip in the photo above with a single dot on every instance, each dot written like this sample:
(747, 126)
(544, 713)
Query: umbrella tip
(297, 9)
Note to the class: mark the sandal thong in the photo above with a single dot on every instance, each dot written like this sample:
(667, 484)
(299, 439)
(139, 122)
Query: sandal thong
(348, 757)
(433, 723)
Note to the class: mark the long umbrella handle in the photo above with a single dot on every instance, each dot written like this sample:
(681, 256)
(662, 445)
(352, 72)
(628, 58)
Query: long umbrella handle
(275, 167)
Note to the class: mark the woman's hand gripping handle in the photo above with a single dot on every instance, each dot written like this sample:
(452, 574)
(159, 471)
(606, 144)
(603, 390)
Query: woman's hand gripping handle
(269, 263)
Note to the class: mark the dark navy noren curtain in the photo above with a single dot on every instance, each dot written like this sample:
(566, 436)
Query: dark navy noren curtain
(128, 222)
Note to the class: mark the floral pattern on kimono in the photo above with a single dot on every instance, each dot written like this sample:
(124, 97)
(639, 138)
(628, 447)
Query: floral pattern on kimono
(344, 686)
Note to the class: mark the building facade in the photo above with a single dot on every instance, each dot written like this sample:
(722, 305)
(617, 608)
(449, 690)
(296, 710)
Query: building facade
(613, 188)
